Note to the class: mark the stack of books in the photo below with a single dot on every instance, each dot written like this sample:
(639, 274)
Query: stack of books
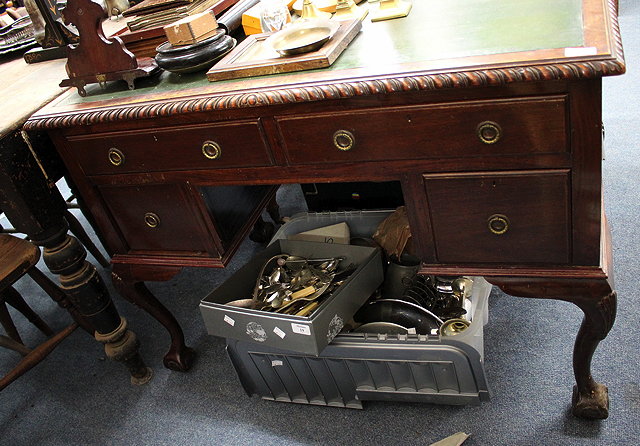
(156, 13)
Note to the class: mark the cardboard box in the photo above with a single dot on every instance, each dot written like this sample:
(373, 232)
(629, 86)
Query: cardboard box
(296, 333)
(337, 233)
(249, 30)
(191, 29)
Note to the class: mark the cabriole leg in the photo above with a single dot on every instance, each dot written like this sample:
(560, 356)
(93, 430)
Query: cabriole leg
(597, 299)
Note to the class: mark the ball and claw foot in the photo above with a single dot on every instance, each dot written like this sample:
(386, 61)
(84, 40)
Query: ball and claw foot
(179, 361)
(594, 406)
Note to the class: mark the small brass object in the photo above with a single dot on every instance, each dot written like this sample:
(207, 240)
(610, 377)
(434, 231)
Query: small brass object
(489, 132)
(152, 220)
(391, 9)
(454, 326)
(116, 157)
(498, 224)
(344, 140)
(348, 10)
(102, 80)
(211, 150)
(310, 11)
(303, 36)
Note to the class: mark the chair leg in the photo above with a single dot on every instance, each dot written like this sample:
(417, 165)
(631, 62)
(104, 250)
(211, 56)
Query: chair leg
(13, 298)
(60, 297)
(7, 342)
(77, 230)
(35, 356)
(6, 321)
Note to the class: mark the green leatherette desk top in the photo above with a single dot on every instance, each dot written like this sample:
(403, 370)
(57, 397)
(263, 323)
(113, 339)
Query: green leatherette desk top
(457, 39)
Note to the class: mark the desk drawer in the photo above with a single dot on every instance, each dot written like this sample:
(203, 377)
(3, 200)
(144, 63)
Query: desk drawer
(179, 148)
(159, 219)
(511, 217)
(475, 128)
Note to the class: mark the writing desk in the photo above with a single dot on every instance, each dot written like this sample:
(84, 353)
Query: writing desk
(487, 113)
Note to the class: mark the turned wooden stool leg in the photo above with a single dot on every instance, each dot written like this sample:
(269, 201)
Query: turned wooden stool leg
(60, 297)
(77, 229)
(65, 256)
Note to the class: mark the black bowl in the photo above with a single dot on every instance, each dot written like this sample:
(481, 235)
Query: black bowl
(398, 312)
(199, 56)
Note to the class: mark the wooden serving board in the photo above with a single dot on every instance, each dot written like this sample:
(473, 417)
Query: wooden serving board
(254, 58)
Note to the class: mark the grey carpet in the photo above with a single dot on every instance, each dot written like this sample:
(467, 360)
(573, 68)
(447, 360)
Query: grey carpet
(76, 397)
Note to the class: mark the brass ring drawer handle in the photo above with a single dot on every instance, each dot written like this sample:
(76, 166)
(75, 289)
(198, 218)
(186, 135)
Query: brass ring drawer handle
(211, 150)
(489, 132)
(344, 140)
(152, 220)
(498, 224)
(116, 157)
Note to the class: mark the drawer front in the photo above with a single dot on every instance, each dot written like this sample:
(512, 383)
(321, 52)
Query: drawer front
(478, 128)
(512, 217)
(159, 219)
(190, 147)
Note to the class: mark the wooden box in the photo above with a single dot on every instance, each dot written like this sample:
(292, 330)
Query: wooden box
(191, 29)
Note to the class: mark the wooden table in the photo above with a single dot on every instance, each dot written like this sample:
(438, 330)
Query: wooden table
(32, 203)
(488, 113)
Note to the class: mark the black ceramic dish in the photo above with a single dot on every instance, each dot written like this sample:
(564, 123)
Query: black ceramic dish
(197, 57)
(405, 314)
(381, 327)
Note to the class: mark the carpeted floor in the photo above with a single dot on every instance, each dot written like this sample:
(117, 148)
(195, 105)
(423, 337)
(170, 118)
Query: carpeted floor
(76, 397)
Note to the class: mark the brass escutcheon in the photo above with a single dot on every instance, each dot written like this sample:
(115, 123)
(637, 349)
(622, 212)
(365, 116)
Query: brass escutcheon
(489, 132)
(116, 157)
(211, 150)
(344, 140)
(152, 220)
(498, 224)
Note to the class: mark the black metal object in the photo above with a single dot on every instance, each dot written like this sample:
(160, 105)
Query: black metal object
(350, 196)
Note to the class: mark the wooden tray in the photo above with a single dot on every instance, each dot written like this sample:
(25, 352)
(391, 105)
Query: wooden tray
(253, 58)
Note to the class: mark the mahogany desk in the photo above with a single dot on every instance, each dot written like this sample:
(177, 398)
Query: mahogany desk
(488, 113)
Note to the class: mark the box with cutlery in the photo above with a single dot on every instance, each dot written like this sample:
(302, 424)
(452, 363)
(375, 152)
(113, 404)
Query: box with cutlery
(424, 344)
(295, 295)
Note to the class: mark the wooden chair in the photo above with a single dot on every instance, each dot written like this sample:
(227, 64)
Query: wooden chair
(17, 258)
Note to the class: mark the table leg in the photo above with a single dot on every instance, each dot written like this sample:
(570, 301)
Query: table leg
(36, 208)
(597, 299)
(128, 280)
